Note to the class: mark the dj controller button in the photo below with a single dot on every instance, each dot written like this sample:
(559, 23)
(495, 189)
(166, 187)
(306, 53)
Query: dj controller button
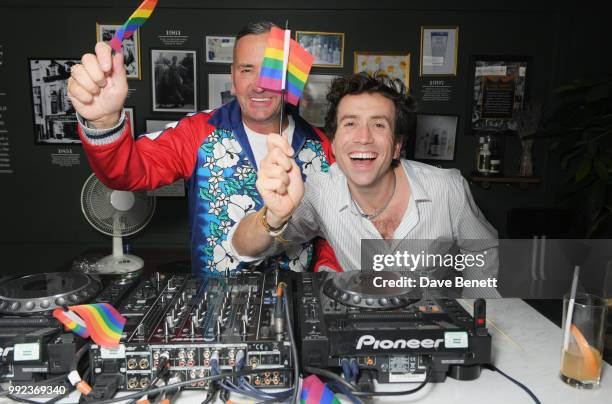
(369, 302)
(383, 302)
(60, 301)
(356, 299)
(29, 305)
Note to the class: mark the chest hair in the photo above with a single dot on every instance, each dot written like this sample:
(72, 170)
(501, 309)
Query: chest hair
(386, 225)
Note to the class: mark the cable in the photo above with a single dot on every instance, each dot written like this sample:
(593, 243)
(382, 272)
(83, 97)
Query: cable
(185, 383)
(428, 373)
(492, 367)
(329, 375)
(294, 353)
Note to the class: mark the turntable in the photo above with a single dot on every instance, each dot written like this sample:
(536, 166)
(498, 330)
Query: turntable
(37, 293)
(394, 334)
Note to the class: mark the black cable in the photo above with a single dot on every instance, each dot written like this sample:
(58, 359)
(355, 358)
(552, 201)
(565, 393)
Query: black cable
(329, 375)
(294, 353)
(428, 373)
(180, 384)
(210, 395)
(493, 368)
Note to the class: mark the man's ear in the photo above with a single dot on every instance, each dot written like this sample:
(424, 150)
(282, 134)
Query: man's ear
(233, 89)
(397, 152)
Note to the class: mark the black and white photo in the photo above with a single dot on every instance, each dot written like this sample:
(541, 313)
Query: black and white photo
(219, 90)
(314, 104)
(220, 49)
(54, 116)
(327, 48)
(130, 47)
(435, 137)
(174, 80)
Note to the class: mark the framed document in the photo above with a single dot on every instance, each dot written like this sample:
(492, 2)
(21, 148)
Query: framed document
(439, 46)
(220, 49)
(130, 46)
(327, 48)
(499, 85)
(435, 137)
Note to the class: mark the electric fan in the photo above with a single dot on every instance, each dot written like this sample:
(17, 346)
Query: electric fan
(117, 214)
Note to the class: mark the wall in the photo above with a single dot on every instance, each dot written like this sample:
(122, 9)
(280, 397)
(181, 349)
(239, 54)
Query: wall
(40, 214)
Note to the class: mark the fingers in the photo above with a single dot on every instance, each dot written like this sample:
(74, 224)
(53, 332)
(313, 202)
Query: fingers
(274, 185)
(119, 67)
(276, 141)
(104, 56)
(77, 92)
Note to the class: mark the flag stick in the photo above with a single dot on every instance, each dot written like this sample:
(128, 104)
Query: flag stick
(284, 80)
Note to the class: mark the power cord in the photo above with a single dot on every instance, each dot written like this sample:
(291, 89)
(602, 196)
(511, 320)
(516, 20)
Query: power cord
(493, 368)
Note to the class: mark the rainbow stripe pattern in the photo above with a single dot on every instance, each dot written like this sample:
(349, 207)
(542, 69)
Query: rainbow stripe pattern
(276, 64)
(315, 392)
(138, 17)
(99, 321)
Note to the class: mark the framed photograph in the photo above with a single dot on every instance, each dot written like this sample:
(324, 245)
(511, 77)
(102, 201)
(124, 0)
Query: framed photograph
(393, 64)
(131, 48)
(174, 80)
(219, 90)
(220, 49)
(130, 113)
(435, 137)
(153, 128)
(439, 46)
(54, 116)
(499, 85)
(313, 103)
(327, 48)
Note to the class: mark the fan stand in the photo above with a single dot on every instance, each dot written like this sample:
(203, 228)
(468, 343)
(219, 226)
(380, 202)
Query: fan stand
(118, 262)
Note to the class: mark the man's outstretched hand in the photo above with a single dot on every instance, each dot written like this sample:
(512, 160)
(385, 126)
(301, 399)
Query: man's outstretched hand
(98, 87)
(279, 181)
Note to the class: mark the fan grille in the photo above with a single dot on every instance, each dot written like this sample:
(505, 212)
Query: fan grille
(100, 213)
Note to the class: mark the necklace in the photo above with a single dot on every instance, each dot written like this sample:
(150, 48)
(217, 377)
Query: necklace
(376, 213)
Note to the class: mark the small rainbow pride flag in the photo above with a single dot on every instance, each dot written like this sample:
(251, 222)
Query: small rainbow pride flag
(315, 392)
(101, 322)
(138, 17)
(286, 65)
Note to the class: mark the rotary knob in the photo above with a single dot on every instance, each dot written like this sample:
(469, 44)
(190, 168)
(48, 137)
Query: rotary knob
(383, 302)
(29, 305)
(344, 297)
(356, 299)
(15, 306)
(369, 302)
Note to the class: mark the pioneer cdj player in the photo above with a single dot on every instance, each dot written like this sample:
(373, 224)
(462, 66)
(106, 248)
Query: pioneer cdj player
(397, 335)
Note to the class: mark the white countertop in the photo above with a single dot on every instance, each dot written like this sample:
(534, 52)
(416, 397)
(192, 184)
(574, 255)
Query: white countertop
(526, 346)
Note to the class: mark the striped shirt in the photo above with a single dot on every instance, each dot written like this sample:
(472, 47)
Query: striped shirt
(441, 207)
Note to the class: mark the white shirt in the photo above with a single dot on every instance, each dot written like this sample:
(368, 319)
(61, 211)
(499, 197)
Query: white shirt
(259, 141)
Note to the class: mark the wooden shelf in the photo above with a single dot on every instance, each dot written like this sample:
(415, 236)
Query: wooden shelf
(522, 182)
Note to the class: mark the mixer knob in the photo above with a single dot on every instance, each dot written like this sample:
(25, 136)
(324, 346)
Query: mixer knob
(205, 297)
(243, 328)
(195, 320)
(383, 302)
(166, 329)
(192, 330)
(369, 302)
(170, 321)
(344, 297)
(356, 299)
(219, 327)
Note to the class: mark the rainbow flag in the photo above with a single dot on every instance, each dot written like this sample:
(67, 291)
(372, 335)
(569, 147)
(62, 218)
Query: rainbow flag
(101, 321)
(73, 322)
(138, 17)
(315, 392)
(285, 66)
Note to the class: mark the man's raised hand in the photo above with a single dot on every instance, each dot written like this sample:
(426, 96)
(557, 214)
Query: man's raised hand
(98, 87)
(279, 181)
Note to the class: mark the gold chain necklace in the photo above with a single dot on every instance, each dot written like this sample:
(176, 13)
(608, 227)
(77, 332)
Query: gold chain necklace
(379, 211)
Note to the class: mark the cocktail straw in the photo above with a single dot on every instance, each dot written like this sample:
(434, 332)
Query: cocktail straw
(570, 309)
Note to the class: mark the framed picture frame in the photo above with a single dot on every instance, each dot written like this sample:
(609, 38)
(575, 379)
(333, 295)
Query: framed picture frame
(220, 49)
(54, 116)
(131, 48)
(327, 48)
(219, 89)
(499, 86)
(393, 64)
(313, 103)
(436, 137)
(153, 128)
(439, 50)
(174, 80)
(130, 113)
